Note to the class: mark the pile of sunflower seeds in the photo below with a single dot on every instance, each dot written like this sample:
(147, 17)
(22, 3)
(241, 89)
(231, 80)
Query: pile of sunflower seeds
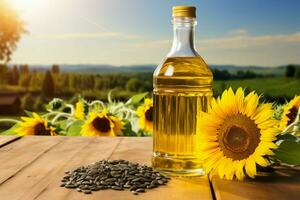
(116, 175)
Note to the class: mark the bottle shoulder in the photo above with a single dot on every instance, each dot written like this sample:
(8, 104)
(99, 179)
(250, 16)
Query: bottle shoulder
(184, 74)
(182, 66)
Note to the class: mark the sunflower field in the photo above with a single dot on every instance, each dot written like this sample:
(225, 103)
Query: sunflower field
(240, 134)
(95, 118)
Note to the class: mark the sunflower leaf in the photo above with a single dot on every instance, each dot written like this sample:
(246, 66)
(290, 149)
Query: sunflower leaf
(135, 99)
(11, 131)
(288, 152)
(127, 131)
(286, 137)
(75, 128)
(28, 113)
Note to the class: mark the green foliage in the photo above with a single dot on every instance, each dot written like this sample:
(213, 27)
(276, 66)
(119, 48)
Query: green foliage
(128, 131)
(289, 152)
(136, 98)
(28, 102)
(3, 73)
(297, 74)
(134, 85)
(11, 131)
(96, 86)
(290, 70)
(75, 128)
(48, 88)
(13, 76)
(272, 89)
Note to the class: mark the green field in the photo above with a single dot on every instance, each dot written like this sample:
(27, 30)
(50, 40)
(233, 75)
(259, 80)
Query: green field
(273, 87)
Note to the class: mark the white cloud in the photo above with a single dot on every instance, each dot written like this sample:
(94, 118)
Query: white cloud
(87, 35)
(241, 39)
(239, 32)
(248, 41)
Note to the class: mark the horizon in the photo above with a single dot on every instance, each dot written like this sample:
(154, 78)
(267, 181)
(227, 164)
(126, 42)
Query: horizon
(140, 65)
(243, 33)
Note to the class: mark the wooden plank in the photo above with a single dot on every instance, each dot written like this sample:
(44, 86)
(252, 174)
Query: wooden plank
(41, 179)
(140, 150)
(7, 139)
(19, 154)
(283, 183)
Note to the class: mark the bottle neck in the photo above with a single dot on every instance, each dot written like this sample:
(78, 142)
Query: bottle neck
(183, 39)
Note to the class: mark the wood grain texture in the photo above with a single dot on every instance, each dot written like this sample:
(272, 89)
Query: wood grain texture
(17, 155)
(7, 139)
(46, 159)
(282, 184)
(140, 150)
(41, 179)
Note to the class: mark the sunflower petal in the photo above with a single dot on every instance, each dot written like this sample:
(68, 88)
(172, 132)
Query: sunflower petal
(250, 167)
(261, 161)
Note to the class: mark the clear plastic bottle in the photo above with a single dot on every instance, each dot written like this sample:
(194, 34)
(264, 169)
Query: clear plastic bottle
(182, 89)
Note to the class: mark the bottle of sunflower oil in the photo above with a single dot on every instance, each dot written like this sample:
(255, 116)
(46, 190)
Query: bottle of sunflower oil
(182, 89)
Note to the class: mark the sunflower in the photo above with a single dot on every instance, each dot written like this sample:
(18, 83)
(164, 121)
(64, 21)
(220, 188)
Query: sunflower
(79, 110)
(118, 125)
(35, 125)
(237, 134)
(101, 124)
(145, 113)
(290, 112)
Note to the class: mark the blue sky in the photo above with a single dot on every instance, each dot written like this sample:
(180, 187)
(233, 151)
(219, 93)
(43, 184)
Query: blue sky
(127, 32)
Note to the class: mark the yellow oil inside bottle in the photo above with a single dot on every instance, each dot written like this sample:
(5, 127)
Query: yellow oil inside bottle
(182, 89)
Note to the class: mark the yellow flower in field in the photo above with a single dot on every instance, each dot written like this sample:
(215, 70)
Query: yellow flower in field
(145, 113)
(101, 124)
(237, 134)
(35, 126)
(79, 110)
(290, 112)
(118, 125)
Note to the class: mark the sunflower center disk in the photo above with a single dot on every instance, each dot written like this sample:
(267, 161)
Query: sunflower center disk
(102, 124)
(292, 115)
(238, 137)
(40, 129)
(149, 115)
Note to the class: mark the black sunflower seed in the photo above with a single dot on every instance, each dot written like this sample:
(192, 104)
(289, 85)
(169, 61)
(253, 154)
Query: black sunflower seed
(116, 175)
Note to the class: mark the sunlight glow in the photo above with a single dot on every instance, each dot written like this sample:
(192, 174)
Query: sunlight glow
(23, 5)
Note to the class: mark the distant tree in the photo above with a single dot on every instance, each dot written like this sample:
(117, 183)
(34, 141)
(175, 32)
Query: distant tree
(90, 82)
(11, 29)
(3, 73)
(48, 88)
(34, 81)
(297, 74)
(14, 76)
(134, 85)
(55, 69)
(290, 71)
(24, 69)
(66, 82)
(221, 74)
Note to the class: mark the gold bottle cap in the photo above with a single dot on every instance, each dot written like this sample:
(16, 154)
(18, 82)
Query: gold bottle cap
(184, 11)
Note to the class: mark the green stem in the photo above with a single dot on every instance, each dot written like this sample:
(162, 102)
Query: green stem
(10, 120)
(55, 113)
(97, 102)
(59, 116)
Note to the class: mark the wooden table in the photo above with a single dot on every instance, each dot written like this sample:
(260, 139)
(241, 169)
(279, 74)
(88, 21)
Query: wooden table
(32, 167)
